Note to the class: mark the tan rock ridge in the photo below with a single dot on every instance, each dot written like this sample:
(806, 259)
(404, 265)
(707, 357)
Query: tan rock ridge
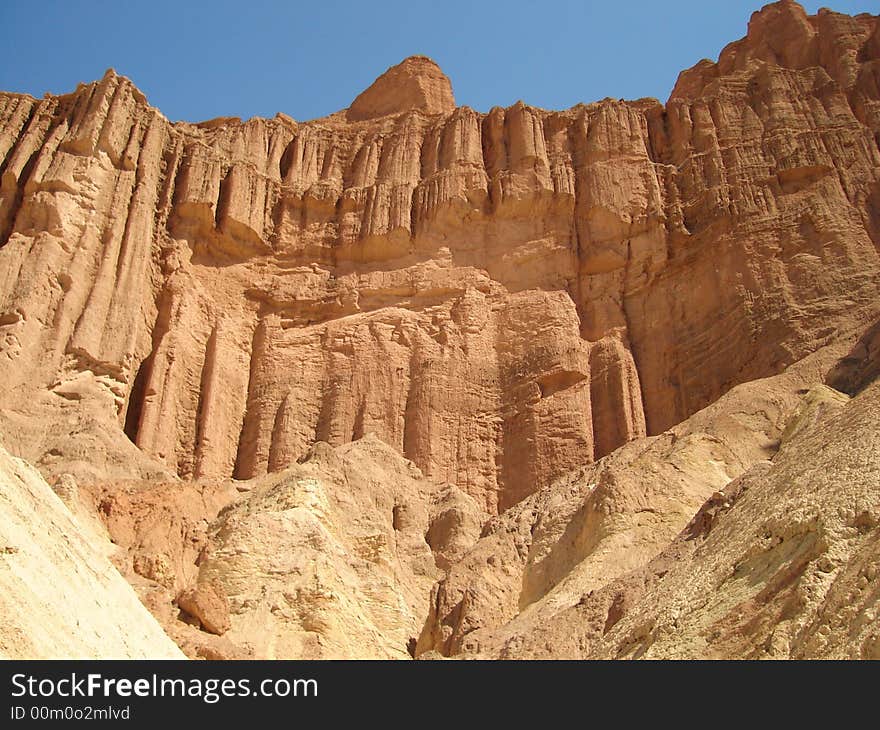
(596, 526)
(330, 558)
(415, 84)
(783, 563)
(553, 315)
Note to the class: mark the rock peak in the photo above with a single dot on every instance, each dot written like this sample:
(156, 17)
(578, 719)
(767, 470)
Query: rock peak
(415, 83)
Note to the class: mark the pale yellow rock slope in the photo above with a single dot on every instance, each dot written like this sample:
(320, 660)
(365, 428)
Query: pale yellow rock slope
(60, 597)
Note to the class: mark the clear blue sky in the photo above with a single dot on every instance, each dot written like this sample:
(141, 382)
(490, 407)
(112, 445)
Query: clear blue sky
(198, 59)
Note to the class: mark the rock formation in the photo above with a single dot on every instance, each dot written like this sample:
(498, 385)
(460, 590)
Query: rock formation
(783, 563)
(60, 596)
(415, 84)
(453, 371)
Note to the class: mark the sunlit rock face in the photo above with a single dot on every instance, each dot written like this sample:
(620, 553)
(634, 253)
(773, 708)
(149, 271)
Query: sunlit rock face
(414, 381)
(500, 297)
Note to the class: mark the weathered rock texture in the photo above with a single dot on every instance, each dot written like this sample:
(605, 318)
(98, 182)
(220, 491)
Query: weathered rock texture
(340, 544)
(784, 563)
(501, 296)
(60, 597)
(596, 526)
(526, 305)
(416, 83)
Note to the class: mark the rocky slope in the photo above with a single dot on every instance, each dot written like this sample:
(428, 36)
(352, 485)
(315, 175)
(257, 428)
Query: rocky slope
(60, 595)
(783, 563)
(416, 380)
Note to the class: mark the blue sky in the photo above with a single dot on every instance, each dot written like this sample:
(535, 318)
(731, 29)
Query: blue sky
(197, 60)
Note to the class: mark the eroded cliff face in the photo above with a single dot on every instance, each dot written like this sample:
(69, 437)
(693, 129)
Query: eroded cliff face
(501, 297)
(553, 336)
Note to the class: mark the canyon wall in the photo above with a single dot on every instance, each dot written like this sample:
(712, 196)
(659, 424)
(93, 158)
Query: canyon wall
(500, 297)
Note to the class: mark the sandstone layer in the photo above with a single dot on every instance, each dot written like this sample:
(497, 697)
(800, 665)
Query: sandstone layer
(499, 296)
(413, 379)
(60, 596)
(783, 563)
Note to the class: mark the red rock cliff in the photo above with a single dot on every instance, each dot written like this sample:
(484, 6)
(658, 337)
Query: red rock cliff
(498, 296)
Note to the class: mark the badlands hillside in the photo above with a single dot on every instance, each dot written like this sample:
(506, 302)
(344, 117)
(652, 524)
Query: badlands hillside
(412, 380)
